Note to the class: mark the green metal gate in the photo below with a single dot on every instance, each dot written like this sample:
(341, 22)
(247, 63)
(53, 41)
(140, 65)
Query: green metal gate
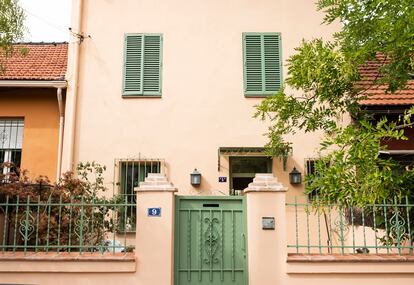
(210, 241)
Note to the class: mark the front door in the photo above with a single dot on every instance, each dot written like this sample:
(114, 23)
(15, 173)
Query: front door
(210, 241)
(243, 169)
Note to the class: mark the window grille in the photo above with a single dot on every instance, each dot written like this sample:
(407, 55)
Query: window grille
(310, 167)
(131, 173)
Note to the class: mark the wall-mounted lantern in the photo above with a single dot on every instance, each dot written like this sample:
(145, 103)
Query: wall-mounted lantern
(195, 177)
(295, 177)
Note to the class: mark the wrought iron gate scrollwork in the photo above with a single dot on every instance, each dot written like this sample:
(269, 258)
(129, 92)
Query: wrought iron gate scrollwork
(26, 227)
(397, 227)
(211, 240)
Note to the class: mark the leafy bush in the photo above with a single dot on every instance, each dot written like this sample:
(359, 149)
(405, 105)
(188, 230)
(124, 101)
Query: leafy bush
(68, 215)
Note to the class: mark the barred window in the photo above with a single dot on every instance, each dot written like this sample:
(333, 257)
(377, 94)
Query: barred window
(310, 167)
(131, 173)
(11, 138)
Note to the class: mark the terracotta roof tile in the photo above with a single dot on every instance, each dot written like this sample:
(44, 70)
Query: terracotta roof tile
(376, 94)
(36, 61)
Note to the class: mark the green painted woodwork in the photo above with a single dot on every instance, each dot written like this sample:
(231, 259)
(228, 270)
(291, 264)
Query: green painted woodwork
(142, 65)
(262, 63)
(210, 241)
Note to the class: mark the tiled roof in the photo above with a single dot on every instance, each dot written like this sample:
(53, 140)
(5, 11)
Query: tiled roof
(376, 94)
(36, 61)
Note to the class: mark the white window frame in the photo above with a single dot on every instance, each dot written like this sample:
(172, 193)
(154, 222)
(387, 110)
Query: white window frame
(11, 139)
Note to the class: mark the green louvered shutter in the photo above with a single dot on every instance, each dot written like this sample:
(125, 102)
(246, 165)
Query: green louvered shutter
(272, 63)
(133, 65)
(152, 65)
(262, 64)
(142, 66)
(253, 63)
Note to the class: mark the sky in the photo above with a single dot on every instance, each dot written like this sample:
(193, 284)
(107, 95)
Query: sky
(47, 20)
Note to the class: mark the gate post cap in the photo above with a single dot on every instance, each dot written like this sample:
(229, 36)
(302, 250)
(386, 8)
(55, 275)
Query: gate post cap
(265, 182)
(156, 182)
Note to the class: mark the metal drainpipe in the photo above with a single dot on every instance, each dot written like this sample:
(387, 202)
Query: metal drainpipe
(73, 97)
(61, 127)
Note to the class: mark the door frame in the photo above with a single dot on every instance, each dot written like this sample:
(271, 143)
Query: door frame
(247, 175)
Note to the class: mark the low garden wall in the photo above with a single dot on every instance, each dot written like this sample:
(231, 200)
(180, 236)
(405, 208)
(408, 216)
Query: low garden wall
(152, 261)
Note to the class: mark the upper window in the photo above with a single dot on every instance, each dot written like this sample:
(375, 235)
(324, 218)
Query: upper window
(142, 65)
(262, 63)
(11, 137)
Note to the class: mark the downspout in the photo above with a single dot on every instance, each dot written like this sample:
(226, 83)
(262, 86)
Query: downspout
(72, 97)
(61, 126)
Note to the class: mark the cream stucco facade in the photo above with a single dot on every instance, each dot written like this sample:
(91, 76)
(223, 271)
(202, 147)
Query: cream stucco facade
(202, 107)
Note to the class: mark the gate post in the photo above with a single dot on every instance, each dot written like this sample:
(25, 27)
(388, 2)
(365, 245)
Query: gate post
(265, 198)
(154, 247)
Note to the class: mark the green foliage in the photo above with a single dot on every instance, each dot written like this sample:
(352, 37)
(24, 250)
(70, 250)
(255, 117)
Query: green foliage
(324, 77)
(353, 172)
(11, 25)
(94, 169)
(376, 26)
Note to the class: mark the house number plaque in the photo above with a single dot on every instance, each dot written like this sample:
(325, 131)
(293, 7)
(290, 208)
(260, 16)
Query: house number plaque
(154, 212)
(222, 179)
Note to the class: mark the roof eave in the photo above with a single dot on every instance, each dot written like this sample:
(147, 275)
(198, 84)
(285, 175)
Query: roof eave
(34, 83)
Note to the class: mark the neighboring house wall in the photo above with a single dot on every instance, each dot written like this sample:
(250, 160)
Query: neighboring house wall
(39, 109)
(202, 105)
(403, 144)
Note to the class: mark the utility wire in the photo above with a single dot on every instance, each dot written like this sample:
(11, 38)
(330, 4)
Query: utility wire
(57, 27)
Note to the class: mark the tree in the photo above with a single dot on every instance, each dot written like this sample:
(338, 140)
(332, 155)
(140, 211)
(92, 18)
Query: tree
(11, 25)
(325, 74)
(376, 26)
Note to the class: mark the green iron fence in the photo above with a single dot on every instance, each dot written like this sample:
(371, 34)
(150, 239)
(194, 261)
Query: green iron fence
(64, 224)
(318, 228)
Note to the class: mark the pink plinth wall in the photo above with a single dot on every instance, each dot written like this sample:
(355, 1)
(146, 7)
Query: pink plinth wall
(155, 235)
(265, 197)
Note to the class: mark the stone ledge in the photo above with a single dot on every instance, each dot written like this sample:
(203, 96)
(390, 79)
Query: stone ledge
(265, 182)
(154, 189)
(156, 182)
(67, 262)
(295, 257)
(67, 256)
(349, 264)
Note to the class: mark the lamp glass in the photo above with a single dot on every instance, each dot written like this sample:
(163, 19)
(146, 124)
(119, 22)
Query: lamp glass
(195, 177)
(295, 177)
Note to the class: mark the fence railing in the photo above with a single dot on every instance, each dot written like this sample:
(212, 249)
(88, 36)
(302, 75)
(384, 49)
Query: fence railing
(65, 225)
(383, 228)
